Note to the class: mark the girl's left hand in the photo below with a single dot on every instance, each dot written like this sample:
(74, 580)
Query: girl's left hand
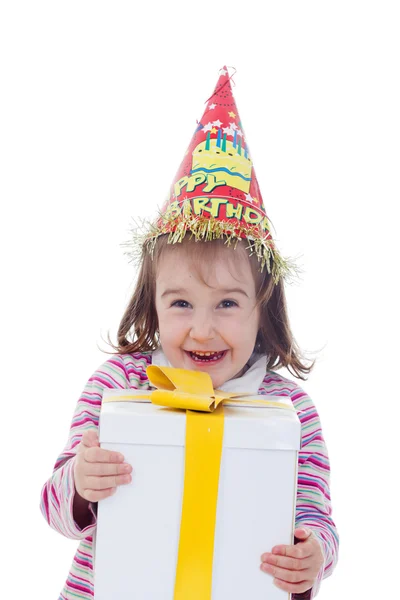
(295, 568)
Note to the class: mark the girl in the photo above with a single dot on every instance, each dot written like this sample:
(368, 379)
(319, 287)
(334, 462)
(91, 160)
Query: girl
(203, 301)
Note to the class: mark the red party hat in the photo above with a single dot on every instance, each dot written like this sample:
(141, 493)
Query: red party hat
(215, 192)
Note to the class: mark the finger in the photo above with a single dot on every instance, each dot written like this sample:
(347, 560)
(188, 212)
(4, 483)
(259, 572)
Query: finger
(300, 550)
(293, 588)
(103, 483)
(101, 469)
(302, 533)
(90, 438)
(286, 562)
(100, 455)
(286, 574)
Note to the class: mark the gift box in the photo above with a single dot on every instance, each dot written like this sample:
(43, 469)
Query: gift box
(211, 491)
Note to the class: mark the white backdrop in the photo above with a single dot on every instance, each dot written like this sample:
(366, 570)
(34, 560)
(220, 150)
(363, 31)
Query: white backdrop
(98, 103)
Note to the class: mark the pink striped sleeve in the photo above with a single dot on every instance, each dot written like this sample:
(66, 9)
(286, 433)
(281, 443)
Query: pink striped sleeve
(58, 492)
(313, 506)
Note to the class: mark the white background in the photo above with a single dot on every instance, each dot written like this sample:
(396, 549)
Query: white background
(98, 104)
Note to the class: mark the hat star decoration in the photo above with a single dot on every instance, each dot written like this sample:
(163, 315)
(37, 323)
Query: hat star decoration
(215, 193)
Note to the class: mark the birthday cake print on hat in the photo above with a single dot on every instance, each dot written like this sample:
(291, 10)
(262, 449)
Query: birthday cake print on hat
(215, 193)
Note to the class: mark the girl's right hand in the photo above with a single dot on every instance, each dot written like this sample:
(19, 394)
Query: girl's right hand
(98, 472)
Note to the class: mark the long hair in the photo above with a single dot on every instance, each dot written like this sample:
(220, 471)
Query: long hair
(138, 329)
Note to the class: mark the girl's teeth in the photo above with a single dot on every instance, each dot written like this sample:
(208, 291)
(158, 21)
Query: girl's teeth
(206, 356)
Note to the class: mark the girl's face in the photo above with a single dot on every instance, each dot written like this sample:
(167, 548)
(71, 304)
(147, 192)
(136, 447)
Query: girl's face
(219, 319)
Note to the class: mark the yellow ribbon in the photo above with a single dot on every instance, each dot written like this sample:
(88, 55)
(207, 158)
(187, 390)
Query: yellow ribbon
(193, 391)
(178, 388)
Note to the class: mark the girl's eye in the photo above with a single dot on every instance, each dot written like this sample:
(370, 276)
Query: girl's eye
(229, 302)
(179, 302)
(184, 304)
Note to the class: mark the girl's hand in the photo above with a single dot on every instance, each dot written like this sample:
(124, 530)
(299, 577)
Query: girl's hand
(98, 472)
(295, 568)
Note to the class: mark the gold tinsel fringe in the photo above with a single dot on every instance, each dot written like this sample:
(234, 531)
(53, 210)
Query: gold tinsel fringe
(145, 234)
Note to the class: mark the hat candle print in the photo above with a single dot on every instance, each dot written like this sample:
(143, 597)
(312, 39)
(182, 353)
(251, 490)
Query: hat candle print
(215, 193)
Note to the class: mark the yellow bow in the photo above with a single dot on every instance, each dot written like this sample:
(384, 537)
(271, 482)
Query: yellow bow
(193, 390)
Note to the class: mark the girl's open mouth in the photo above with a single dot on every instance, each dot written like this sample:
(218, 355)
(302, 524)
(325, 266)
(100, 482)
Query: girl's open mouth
(208, 358)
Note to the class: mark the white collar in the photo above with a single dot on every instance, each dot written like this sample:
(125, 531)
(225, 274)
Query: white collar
(249, 382)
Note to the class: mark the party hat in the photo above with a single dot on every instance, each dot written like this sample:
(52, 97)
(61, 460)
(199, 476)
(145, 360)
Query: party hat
(215, 193)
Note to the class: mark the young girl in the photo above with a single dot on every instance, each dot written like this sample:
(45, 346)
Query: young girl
(209, 297)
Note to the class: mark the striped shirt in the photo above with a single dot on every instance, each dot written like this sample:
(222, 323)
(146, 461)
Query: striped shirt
(313, 504)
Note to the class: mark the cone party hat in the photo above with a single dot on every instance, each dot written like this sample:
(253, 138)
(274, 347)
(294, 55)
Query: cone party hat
(215, 193)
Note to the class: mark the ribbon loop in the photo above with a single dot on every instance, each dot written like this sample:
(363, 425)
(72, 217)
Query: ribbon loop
(169, 378)
(183, 400)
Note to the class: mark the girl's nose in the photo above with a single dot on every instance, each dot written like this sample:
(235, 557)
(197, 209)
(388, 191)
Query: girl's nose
(202, 329)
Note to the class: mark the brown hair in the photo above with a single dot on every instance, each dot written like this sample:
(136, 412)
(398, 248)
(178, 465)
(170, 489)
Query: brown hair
(138, 329)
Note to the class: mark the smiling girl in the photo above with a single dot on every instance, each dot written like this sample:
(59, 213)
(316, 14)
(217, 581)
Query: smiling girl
(210, 297)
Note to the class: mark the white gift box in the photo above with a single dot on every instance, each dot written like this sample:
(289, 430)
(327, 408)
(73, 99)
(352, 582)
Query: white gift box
(138, 528)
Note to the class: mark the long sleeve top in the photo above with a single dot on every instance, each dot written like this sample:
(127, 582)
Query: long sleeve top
(128, 371)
